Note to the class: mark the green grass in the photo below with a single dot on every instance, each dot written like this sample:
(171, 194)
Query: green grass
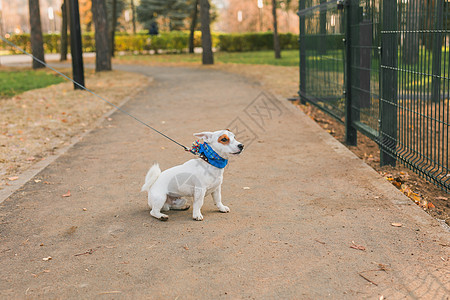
(15, 82)
(288, 58)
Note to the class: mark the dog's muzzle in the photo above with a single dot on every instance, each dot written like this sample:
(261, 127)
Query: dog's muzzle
(241, 147)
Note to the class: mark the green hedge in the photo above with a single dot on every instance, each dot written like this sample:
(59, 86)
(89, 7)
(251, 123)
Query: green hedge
(255, 41)
(175, 41)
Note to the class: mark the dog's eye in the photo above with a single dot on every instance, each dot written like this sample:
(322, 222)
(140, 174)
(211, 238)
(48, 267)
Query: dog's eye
(224, 140)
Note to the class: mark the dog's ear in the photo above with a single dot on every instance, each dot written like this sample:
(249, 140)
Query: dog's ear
(205, 136)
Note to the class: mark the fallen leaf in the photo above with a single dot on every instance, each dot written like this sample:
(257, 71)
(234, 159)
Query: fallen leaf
(430, 205)
(415, 197)
(357, 247)
(110, 292)
(397, 184)
(186, 247)
(13, 178)
(397, 224)
(90, 251)
(47, 258)
(66, 194)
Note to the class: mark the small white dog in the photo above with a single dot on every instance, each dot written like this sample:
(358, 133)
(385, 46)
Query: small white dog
(195, 178)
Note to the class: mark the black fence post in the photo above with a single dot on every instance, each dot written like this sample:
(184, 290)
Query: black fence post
(350, 131)
(389, 82)
(75, 45)
(302, 49)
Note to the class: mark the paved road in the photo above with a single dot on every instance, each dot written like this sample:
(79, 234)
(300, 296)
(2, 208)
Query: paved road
(306, 201)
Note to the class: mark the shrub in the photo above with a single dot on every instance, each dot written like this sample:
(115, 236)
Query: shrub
(176, 41)
(236, 42)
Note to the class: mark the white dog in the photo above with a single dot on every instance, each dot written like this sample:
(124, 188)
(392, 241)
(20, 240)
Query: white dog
(195, 178)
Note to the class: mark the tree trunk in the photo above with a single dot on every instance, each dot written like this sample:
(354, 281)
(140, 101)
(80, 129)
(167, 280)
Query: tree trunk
(113, 26)
(102, 52)
(322, 49)
(193, 25)
(207, 57)
(37, 43)
(64, 39)
(410, 47)
(133, 16)
(276, 41)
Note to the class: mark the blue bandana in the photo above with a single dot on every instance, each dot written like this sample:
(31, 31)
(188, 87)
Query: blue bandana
(209, 155)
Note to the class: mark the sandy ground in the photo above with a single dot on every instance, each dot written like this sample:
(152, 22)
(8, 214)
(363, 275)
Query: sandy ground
(308, 218)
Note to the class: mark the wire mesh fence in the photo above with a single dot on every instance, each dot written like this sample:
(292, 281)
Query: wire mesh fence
(383, 69)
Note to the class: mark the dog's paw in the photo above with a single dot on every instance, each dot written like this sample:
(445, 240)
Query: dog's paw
(198, 217)
(159, 216)
(224, 209)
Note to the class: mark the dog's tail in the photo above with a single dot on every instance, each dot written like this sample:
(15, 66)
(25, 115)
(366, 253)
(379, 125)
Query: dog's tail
(151, 177)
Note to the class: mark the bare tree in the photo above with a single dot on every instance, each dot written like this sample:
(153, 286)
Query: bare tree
(207, 57)
(64, 38)
(276, 40)
(133, 16)
(410, 49)
(193, 25)
(113, 26)
(37, 43)
(103, 54)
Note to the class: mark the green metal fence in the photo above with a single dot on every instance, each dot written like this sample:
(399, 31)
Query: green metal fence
(383, 69)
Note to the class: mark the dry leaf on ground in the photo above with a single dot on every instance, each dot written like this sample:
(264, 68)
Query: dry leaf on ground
(357, 247)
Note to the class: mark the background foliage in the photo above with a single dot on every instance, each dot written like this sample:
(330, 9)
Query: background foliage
(174, 41)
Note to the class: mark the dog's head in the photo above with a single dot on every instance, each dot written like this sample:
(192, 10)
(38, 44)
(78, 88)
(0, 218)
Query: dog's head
(222, 141)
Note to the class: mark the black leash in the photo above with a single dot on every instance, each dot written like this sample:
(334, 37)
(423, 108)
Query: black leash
(98, 96)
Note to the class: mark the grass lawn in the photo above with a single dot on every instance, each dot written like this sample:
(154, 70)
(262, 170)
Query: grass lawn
(13, 82)
(288, 58)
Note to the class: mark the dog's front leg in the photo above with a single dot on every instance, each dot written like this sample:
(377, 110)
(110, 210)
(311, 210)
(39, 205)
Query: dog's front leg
(217, 197)
(199, 196)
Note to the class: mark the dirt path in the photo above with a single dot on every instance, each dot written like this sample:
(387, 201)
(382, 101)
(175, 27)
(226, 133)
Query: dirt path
(289, 233)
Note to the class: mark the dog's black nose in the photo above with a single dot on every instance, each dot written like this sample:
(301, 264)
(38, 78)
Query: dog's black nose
(240, 146)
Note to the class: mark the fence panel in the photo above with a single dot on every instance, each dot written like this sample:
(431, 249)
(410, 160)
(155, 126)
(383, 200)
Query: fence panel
(390, 81)
(322, 54)
(423, 88)
(364, 59)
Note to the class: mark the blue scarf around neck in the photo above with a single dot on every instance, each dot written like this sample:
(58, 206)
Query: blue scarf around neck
(211, 156)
